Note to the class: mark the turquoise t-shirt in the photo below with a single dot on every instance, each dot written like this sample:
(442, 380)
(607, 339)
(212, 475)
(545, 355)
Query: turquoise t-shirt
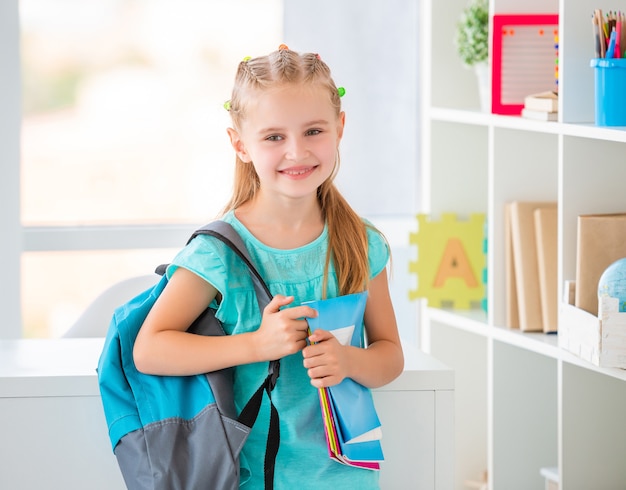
(302, 460)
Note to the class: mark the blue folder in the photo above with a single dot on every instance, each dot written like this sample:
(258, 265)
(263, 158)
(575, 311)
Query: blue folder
(352, 403)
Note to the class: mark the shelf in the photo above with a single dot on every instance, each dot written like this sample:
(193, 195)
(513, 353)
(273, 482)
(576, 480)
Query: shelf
(476, 118)
(523, 402)
(577, 361)
(475, 321)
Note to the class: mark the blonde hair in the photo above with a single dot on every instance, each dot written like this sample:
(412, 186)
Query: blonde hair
(347, 236)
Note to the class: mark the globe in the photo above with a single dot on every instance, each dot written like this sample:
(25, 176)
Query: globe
(613, 282)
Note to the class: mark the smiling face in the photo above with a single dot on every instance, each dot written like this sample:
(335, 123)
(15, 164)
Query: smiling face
(290, 134)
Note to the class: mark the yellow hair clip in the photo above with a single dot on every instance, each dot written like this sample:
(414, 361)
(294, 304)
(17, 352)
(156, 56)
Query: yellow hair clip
(227, 105)
(246, 58)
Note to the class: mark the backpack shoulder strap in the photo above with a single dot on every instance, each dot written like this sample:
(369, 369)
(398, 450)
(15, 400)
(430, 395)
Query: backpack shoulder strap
(226, 233)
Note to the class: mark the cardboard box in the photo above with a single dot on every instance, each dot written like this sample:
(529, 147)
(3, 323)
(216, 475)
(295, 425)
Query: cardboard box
(601, 240)
(598, 340)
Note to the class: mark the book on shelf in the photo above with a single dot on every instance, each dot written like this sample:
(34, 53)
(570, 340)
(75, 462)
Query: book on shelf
(546, 221)
(543, 102)
(525, 263)
(351, 424)
(539, 115)
(601, 240)
(512, 308)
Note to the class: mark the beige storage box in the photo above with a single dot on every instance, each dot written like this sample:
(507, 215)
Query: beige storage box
(599, 340)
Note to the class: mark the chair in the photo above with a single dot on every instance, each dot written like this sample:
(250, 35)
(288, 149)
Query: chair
(94, 321)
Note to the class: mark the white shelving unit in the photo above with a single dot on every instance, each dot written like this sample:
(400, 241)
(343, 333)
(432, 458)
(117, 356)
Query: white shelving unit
(522, 403)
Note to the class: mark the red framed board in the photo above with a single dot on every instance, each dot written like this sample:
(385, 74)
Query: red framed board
(524, 59)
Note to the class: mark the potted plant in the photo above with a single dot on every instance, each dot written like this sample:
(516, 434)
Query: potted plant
(472, 42)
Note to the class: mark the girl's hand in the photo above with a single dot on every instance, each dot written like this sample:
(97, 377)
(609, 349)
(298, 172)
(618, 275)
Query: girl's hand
(282, 331)
(325, 359)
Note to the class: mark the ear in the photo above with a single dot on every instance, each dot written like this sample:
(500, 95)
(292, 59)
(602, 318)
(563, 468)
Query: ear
(238, 146)
(340, 125)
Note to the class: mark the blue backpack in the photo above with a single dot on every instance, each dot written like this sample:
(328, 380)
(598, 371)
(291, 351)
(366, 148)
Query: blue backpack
(180, 432)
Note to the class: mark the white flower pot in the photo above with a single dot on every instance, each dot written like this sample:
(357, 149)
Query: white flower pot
(483, 76)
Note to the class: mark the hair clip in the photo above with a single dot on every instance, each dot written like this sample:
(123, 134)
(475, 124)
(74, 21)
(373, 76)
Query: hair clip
(341, 91)
(283, 46)
(227, 105)
(246, 58)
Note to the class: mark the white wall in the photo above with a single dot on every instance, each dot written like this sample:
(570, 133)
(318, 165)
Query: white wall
(372, 49)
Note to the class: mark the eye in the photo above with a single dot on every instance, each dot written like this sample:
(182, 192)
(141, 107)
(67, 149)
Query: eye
(313, 132)
(274, 137)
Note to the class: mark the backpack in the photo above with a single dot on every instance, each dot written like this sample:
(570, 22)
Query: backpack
(180, 432)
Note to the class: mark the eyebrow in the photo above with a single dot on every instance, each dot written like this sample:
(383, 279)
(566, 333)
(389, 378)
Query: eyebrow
(318, 122)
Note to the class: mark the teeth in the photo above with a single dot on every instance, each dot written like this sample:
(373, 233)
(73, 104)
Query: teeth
(296, 172)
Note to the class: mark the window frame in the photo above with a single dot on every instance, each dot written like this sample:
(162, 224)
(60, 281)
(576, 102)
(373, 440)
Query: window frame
(17, 239)
(10, 121)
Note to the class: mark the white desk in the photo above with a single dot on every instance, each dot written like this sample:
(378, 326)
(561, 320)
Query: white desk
(53, 434)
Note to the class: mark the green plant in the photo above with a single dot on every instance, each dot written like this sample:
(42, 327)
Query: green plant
(472, 40)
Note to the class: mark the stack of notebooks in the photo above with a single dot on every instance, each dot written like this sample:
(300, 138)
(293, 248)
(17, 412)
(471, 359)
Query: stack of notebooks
(351, 424)
(543, 106)
(531, 265)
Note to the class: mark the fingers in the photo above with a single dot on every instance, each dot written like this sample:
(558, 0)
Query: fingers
(323, 374)
(284, 329)
(317, 347)
(276, 310)
(324, 359)
(320, 335)
(277, 303)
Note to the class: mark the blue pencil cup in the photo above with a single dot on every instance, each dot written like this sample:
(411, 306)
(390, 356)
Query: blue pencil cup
(610, 91)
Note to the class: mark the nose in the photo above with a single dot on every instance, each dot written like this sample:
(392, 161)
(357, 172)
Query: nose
(297, 149)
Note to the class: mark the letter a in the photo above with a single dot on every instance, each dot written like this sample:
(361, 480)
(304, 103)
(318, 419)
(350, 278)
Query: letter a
(455, 264)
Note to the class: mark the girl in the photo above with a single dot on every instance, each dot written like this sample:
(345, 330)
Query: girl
(308, 244)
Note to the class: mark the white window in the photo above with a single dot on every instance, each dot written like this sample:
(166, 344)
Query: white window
(123, 124)
(123, 149)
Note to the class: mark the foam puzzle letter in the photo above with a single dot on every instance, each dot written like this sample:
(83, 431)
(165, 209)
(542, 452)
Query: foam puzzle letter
(451, 265)
(455, 263)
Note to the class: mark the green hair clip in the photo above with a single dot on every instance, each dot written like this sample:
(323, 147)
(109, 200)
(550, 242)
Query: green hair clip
(227, 105)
